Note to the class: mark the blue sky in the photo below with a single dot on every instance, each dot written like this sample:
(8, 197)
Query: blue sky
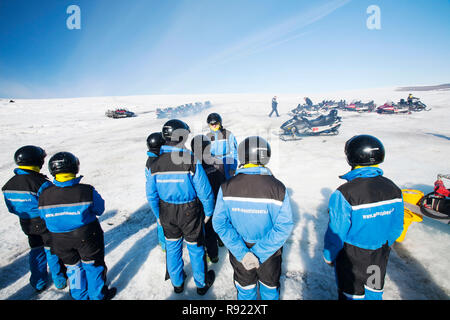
(219, 46)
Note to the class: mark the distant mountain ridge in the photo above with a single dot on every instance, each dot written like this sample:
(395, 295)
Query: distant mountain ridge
(445, 86)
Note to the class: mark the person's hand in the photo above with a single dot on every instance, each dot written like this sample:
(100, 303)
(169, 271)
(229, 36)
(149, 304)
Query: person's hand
(207, 219)
(250, 261)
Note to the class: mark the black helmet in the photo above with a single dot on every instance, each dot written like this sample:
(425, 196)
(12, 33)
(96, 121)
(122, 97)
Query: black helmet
(63, 162)
(30, 156)
(175, 131)
(214, 118)
(199, 144)
(255, 150)
(364, 150)
(333, 113)
(155, 141)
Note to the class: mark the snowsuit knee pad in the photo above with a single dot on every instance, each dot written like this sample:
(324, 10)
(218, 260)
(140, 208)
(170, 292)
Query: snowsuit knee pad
(269, 292)
(96, 278)
(248, 292)
(77, 281)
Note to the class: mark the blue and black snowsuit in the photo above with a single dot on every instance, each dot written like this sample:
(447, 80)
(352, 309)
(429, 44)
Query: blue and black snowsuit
(224, 147)
(274, 107)
(216, 176)
(151, 158)
(365, 219)
(253, 213)
(70, 210)
(21, 195)
(178, 188)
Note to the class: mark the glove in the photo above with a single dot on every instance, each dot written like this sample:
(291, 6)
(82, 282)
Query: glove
(439, 189)
(250, 261)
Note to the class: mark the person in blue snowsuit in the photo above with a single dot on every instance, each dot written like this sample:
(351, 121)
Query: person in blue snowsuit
(70, 210)
(274, 107)
(365, 219)
(223, 144)
(21, 194)
(253, 217)
(179, 192)
(154, 143)
(201, 147)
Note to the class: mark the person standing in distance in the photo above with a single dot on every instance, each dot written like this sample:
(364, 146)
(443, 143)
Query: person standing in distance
(253, 217)
(274, 107)
(154, 143)
(21, 194)
(223, 144)
(70, 210)
(365, 219)
(178, 191)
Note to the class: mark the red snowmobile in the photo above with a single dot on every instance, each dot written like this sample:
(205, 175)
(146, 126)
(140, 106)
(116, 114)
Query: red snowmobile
(119, 113)
(359, 106)
(392, 108)
(436, 204)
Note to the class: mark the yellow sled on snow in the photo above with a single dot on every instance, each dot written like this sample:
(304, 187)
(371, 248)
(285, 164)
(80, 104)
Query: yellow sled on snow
(411, 199)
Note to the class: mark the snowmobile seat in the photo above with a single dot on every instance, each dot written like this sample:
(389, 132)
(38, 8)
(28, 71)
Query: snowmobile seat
(321, 120)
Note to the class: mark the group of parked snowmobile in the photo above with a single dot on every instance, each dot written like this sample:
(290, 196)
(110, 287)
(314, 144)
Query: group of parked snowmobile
(412, 104)
(326, 105)
(119, 113)
(184, 110)
(317, 119)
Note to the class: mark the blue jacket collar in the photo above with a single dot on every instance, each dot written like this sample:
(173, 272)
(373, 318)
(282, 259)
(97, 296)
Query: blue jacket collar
(68, 183)
(254, 170)
(365, 172)
(166, 148)
(21, 171)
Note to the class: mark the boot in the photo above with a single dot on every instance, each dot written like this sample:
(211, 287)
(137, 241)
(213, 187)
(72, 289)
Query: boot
(210, 277)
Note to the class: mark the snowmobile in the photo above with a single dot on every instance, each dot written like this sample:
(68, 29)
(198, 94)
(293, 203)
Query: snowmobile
(359, 106)
(119, 113)
(418, 105)
(307, 111)
(299, 126)
(392, 108)
(342, 104)
(436, 204)
(328, 104)
(182, 110)
(411, 211)
(207, 104)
